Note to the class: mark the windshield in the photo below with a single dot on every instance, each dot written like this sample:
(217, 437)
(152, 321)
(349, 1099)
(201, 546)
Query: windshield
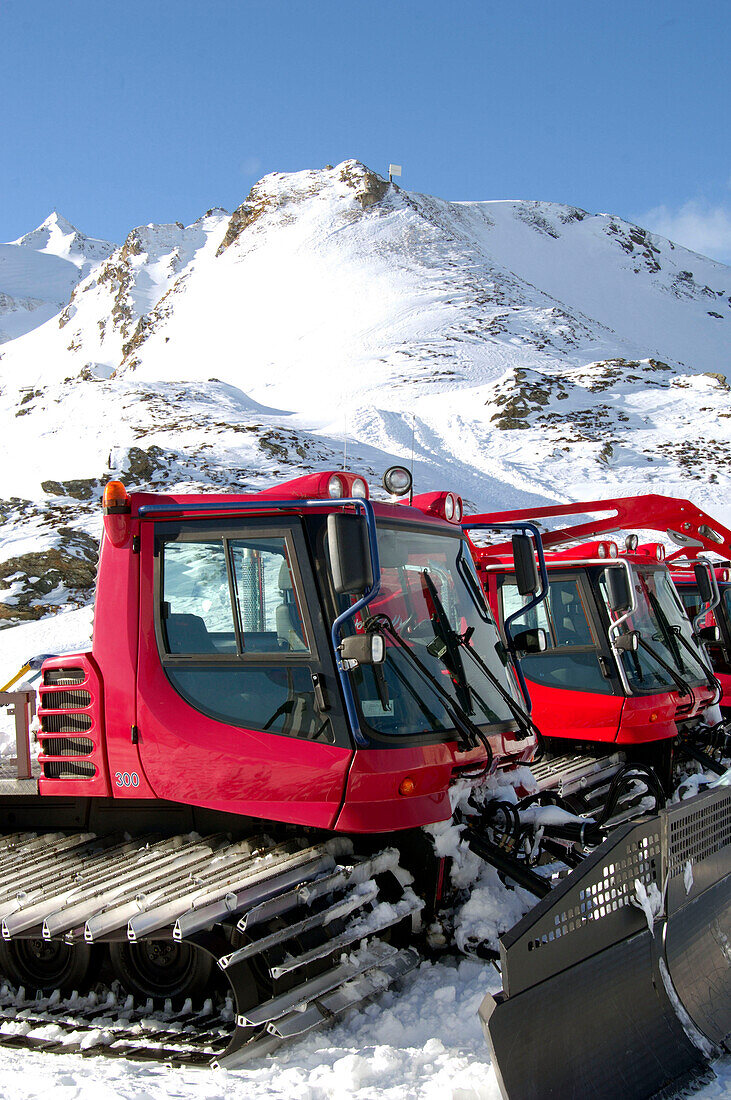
(429, 589)
(725, 607)
(658, 613)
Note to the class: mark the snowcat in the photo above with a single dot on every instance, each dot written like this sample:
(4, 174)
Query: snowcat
(617, 673)
(285, 690)
(713, 618)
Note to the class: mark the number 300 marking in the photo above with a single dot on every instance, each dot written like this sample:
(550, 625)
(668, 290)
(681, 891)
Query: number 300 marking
(126, 779)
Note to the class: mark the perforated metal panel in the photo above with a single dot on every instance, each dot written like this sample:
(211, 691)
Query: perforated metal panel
(700, 832)
(613, 889)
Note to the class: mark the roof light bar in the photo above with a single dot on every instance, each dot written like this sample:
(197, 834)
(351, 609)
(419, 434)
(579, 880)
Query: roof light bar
(445, 505)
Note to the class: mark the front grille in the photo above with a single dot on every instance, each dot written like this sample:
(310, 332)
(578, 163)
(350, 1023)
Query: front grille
(62, 769)
(65, 700)
(67, 746)
(65, 723)
(54, 676)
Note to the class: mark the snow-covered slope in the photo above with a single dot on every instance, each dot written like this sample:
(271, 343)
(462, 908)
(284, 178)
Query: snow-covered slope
(39, 271)
(530, 352)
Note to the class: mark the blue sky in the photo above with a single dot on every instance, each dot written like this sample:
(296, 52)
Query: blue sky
(126, 113)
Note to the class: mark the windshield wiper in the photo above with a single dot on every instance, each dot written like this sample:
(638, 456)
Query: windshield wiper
(711, 680)
(522, 718)
(448, 651)
(472, 736)
(683, 687)
(665, 626)
(453, 642)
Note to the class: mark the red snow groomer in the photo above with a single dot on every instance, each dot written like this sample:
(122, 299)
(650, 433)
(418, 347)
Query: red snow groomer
(616, 671)
(709, 610)
(619, 680)
(235, 785)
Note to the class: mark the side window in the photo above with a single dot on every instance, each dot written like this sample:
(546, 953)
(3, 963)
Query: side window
(266, 597)
(197, 615)
(235, 642)
(571, 658)
(562, 614)
(536, 618)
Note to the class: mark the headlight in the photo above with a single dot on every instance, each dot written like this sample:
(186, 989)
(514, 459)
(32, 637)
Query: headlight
(631, 543)
(335, 487)
(458, 510)
(449, 507)
(612, 549)
(397, 481)
(359, 489)
(601, 550)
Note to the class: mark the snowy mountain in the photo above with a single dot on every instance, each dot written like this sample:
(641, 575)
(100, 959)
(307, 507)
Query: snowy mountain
(530, 350)
(39, 271)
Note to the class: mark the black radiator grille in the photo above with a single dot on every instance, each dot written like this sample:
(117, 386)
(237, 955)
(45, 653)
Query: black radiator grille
(65, 723)
(65, 700)
(67, 746)
(54, 676)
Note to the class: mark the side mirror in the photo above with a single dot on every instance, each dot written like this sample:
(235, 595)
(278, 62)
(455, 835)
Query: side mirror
(526, 574)
(705, 589)
(619, 595)
(363, 649)
(350, 555)
(710, 634)
(531, 641)
(629, 642)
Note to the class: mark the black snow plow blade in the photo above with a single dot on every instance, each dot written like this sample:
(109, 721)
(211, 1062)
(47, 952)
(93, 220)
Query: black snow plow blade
(594, 1003)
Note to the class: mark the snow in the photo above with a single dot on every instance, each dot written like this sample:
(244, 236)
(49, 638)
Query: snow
(527, 352)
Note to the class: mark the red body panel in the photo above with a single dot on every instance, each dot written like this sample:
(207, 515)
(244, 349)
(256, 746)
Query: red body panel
(653, 718)
(578, 715)
(373, 803)
(116, 618)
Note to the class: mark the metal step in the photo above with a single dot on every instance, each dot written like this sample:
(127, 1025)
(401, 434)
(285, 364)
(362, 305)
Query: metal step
(576, 773)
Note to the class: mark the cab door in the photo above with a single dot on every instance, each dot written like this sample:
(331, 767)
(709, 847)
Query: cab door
(238, 705)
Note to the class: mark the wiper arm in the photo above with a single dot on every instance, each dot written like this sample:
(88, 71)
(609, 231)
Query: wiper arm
(678, 680)
(453, 643)
(472, 736)
(523, 719)
(665, 626)
(448, 653)
(711, 680)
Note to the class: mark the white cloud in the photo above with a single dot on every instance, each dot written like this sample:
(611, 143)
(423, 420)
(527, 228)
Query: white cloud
(250, 166)
(696, 224)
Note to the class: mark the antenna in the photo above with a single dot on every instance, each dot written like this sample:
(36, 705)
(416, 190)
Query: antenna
(411, 470)
(345, 440)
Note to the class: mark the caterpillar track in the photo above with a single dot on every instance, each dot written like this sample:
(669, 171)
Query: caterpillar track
(240, 945)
